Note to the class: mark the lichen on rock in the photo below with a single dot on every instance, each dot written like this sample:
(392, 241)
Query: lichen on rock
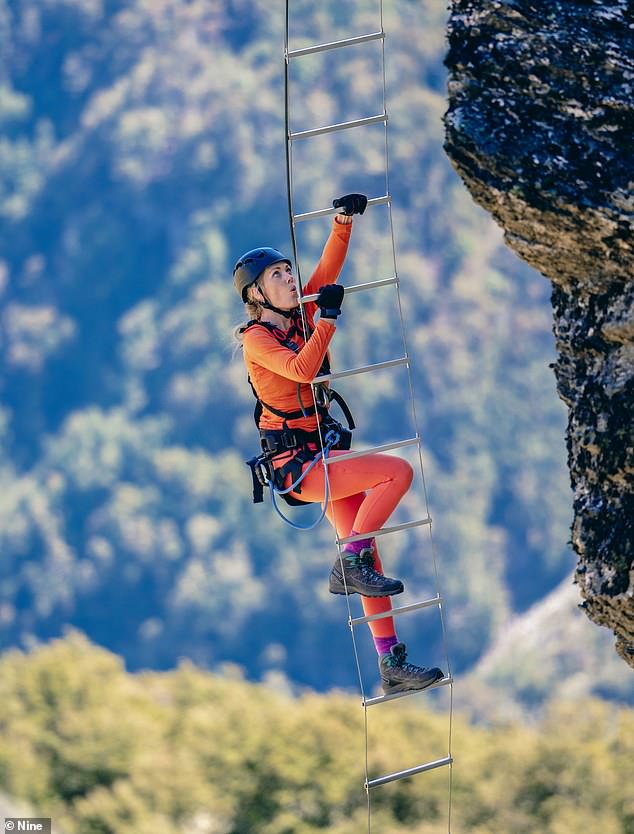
(540, 127)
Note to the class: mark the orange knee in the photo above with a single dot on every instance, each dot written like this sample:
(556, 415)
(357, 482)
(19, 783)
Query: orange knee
(405, 473)
(399, 471)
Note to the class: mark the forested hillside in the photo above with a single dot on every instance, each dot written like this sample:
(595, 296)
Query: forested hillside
(141, 151)
(102, 751)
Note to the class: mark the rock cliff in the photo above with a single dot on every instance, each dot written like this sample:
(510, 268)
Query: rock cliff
(540, 127)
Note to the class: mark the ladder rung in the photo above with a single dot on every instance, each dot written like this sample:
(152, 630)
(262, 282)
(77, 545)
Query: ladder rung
(411, 771)
(403, 360)
(312, 215)
(394, 612)
(413, 441)
(384, 531)
(370, 285)
(322, 47)
(318, 131)
(370, 702)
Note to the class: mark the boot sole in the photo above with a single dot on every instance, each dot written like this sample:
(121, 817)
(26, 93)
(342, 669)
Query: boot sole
(367, 593)
(411, 687)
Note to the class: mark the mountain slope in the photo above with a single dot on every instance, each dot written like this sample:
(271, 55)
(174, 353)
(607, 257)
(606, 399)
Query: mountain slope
(549, 651)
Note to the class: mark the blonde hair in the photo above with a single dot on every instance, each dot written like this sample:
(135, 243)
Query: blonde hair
(254, 311)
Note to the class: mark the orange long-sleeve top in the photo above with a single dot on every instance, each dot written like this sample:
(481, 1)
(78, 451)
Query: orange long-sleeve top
(275, 370)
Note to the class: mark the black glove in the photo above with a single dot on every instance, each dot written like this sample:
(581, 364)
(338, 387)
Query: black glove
(351, 203)
(329, 300)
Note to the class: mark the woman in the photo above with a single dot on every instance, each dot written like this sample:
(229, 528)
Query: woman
(282, 361)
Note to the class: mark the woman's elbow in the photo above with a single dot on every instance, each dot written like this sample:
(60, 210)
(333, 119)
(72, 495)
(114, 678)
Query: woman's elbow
(300, 375)
(306, 378)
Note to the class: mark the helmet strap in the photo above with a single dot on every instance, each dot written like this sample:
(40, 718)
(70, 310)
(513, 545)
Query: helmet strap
(266, 303)
(286, 313)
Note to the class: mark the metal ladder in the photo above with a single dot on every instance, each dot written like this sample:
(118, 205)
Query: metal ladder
(291, 57)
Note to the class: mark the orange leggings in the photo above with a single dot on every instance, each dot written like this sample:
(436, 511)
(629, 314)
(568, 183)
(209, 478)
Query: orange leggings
(386, 479)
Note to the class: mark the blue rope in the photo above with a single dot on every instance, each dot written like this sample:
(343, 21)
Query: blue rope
(330, 439)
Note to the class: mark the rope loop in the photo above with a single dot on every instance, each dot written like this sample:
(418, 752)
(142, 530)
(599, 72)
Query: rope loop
(331, 438)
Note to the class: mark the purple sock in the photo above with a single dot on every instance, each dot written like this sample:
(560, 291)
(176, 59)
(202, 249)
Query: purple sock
(357, 547)
(384, 644)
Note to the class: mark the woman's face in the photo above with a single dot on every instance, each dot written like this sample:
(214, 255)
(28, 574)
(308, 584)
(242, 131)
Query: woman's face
(278, 283)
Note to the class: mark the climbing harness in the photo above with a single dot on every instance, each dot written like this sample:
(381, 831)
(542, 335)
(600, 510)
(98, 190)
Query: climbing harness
(331, 440)
(299, 446)
(323, 394)
(291, 56)
(286, 441)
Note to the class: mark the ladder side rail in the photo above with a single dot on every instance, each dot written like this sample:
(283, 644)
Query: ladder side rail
(293, 220)
(290, 138)
(417, 429)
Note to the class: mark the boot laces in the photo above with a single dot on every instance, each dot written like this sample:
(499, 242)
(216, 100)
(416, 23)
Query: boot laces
(398, 657)
(366, 563)
(364, 559)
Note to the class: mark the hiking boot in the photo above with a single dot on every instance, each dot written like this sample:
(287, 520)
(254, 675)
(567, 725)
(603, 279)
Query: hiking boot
(361, 577)
(398, 676)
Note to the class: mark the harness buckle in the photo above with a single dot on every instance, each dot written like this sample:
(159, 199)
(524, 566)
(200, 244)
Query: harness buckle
(290, 439)
(279, 441)
(268, 443)
(260, 475)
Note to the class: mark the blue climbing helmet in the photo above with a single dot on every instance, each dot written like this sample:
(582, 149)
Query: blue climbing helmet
(252, 264)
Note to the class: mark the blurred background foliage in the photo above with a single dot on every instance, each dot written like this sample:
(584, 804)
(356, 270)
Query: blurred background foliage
(141, 151)
(103, 751)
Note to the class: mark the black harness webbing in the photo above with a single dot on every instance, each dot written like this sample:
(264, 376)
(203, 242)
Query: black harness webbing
(325, 393)
(294, 441)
